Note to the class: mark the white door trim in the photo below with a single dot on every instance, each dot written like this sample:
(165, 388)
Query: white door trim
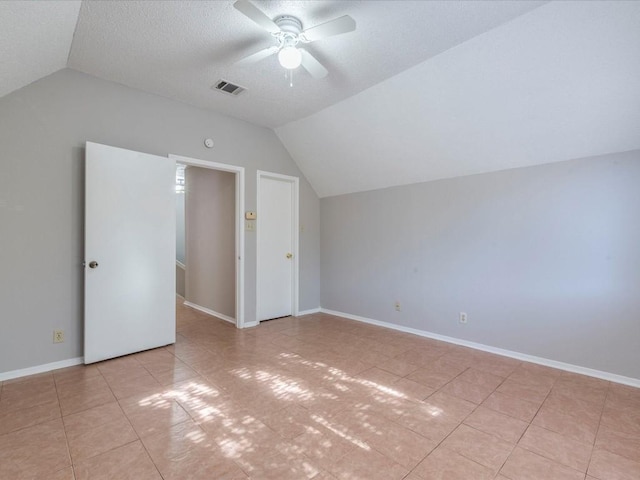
(295, 203)
(239, 174)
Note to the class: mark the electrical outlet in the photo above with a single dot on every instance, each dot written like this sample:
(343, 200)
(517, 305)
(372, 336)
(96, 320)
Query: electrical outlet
(463, 317)
(398, 306)
(58, 336)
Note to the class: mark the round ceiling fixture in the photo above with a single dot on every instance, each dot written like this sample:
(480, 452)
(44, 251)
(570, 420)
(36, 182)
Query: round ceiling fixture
(290, 57)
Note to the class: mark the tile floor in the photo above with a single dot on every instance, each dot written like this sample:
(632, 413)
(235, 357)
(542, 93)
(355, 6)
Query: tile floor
(315, 397)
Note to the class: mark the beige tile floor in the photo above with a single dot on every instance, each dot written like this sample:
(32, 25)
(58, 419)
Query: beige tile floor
(315, 397)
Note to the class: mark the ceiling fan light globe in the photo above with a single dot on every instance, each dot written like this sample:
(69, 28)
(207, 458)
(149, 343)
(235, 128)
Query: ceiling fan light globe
(290, 57)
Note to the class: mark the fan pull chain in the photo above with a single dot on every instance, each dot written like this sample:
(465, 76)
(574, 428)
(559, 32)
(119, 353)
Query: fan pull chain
(291, 78)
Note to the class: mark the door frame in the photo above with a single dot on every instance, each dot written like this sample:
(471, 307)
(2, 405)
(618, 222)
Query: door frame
(239, 175)
(295, 234)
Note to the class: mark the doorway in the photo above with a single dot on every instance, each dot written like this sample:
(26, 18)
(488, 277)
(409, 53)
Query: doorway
(277, 242)
(238, 241)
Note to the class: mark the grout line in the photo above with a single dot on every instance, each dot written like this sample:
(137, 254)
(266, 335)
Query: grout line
(462, 421)
(595, 439)
(64, 426)
(513, 446)
(144, 447)
(541, 404)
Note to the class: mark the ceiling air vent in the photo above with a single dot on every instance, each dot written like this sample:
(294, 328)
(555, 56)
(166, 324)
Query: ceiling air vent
(228, 88)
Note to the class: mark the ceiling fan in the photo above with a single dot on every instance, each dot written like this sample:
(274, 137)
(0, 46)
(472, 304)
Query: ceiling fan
(288, 32)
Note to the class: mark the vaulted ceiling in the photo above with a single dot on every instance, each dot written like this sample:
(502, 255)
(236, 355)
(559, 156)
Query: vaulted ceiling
(421, 90)
(561, 82)
(35, 39)
(180, 49)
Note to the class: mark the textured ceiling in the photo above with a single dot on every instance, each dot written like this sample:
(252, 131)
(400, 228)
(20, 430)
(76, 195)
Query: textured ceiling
(421, 90)
(35, 38)
(179, 49)
(558, 83)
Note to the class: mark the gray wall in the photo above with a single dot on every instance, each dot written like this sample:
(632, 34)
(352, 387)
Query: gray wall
(210, 239)
(180, 280)
(43, 129)
(180, 244)
(180, 234)
(545, 260)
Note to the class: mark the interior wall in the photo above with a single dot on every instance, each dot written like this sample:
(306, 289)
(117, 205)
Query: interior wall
(181, 273)
(210, 227)
(180, 244)
(43, 129)
(180, 231)
(544, 260)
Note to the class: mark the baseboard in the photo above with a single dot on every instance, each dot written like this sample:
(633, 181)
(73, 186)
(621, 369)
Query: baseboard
(251, 324)
(47, 367)
(208, 311)
(612, 377)
(308, 312)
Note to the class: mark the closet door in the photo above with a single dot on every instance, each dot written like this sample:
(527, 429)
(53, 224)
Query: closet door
(277, 246)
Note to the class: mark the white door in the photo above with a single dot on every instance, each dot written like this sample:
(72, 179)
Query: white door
(276, 244)
(129, 303)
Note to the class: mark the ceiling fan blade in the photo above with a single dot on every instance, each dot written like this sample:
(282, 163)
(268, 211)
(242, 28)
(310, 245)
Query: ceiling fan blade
(337, 26)
(313, 66)
(257, 15)
(256, 57)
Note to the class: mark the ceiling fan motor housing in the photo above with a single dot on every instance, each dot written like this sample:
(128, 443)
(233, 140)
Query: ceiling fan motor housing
(289, 24)
(290, 28)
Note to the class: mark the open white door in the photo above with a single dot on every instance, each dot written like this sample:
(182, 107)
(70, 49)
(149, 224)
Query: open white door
(277, 246)
(129, 303)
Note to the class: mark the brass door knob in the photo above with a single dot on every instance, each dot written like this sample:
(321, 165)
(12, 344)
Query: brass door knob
(289, 256)
(93, 264)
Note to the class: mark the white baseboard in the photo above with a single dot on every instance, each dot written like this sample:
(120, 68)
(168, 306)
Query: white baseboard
(251, 324)
(308, 312)
(47, 367)
(612, 377)
(208, 311)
